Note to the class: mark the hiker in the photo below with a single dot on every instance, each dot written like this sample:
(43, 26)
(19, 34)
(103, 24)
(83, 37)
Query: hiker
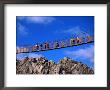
(37, 47)
(46, 45)
(34, 48)
(72, 41)
(21, 50)
(26, 50)
(56, 45)
(62, 44)
(79, 40)
(17, 51)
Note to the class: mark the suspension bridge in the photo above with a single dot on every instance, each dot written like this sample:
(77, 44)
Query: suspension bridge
(59, 44)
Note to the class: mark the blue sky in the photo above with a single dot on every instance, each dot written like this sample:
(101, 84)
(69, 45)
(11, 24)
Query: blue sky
(31, 30)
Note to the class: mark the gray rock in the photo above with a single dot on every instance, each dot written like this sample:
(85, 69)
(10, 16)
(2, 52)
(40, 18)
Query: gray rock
(43, 66)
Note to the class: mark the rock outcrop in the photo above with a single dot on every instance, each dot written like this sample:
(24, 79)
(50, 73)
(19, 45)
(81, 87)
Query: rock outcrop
(43, 66)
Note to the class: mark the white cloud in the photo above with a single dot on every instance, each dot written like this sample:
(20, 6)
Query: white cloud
(37, 19)
(22, 29)
(20, 17)
(75, 31)
(21, 56)
(86, 53)
(17, 47)
(34, 55)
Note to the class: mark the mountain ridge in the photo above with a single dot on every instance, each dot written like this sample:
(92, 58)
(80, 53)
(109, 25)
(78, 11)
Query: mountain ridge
(42, 65)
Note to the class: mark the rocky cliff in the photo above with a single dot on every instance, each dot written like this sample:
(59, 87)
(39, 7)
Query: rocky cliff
(43, 66)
